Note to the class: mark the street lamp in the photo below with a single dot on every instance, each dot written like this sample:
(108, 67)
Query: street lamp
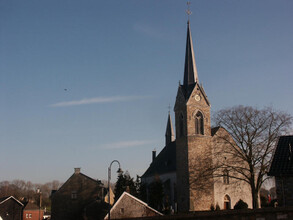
(109, 179)
(40, 201)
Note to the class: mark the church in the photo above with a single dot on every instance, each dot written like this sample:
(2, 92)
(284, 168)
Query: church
(187, 164)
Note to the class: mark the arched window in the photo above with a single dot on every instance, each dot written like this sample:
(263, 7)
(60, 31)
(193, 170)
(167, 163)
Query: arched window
(226, 176)
(181, 125)
(227, 202)
(199, 123)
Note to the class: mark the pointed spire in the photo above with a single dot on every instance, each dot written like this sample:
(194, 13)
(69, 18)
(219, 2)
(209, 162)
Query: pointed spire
(190, 71)
(170, 137)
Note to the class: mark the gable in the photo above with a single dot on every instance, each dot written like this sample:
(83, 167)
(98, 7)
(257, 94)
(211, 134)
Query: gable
(197, 96)
(224, 148)
(82, 185)
(129, 206)
(10, 198)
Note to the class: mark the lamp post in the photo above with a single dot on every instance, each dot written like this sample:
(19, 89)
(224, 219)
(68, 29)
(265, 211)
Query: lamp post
(40, 201)
(109, 179)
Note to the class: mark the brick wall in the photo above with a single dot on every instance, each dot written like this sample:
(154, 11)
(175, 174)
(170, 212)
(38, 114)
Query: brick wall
(33, 214)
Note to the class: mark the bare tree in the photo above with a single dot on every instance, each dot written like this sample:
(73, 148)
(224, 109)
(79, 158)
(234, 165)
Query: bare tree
(254, 134)
(26, 191)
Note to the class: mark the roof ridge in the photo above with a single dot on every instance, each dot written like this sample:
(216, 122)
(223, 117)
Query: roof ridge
(97, 181)
(12, 197)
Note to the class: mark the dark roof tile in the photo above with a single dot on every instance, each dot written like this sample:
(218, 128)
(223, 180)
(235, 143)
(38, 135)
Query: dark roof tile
(31, 206)
(214, 130)
(165, 162)
(282, 163)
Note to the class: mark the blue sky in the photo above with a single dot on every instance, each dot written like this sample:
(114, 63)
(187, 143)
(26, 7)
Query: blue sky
(85, 82)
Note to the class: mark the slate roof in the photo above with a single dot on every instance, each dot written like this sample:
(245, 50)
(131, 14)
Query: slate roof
(214, 130)
(187, 90)
(3, 198)
(165, 162)
(170, 136)
(282, 163)
(190, 71)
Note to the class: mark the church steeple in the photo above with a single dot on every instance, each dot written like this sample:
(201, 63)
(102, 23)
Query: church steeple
(170, 137)
(190, 71)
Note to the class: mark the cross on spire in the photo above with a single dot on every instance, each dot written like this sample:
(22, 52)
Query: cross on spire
(188, 12)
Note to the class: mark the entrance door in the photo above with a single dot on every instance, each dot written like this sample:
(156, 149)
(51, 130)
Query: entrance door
(227, 202)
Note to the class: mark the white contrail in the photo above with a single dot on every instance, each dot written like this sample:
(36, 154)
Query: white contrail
(127, 144)
(95, 100)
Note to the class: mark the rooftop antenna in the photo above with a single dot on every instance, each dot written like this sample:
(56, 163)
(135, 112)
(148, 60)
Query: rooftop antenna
(188, 12)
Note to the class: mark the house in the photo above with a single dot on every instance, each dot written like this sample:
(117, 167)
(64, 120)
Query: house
(282, 169)
(32, 212)
(10, 208)
(80, 196)
(184, 166)
(128, 206)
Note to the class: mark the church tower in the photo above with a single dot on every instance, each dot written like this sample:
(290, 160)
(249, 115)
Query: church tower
(195, 189)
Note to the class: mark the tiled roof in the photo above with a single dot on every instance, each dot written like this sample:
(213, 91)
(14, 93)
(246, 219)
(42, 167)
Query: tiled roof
(282, 163)
(165, 162)
(31, 206)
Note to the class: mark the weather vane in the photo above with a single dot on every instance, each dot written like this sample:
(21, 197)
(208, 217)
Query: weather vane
(188, 12)
(169, 107)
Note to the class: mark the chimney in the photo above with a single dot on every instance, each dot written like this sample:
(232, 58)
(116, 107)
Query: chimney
(154, 155)
(76, 170)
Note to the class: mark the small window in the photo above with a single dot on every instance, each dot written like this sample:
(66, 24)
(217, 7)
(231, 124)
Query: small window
(122, 210)
(30, 216)
(73, 195)
(226, 176)
(26, 215)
